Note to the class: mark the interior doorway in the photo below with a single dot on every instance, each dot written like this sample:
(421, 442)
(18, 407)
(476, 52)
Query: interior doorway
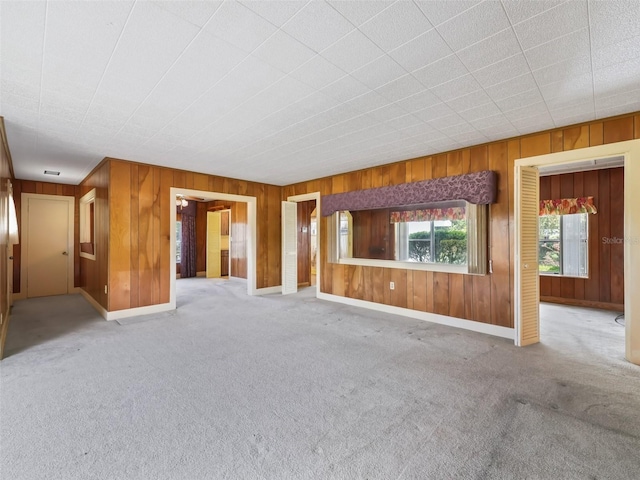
(527, 290)
(48, 252)
(242, 220)
(301, 240)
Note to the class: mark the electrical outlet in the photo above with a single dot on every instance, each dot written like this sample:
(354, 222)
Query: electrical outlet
(392, 285)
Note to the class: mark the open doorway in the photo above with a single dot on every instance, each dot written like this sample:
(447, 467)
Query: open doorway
(527, 196)
(235, 254)
(301, 241)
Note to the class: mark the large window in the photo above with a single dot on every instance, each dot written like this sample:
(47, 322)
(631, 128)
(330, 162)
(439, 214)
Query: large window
(447, 237)
(563, 245)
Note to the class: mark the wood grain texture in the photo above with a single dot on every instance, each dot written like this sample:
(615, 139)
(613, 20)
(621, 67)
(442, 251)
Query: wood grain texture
(605, 283)
(486, 298)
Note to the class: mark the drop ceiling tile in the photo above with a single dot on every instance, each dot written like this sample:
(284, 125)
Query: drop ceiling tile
(477, 23)
(417, 129)
(507, 69)
(236, 24)
(565, 91)
(621, 77)
(556, 22)
(388, 112)
(367, 102)
(318, 25)
(278, 12)
(421, 51)
(419, 101)
(20, 89)
(359, 11)
(493, 123)
(491, 50)
(512, 87)
(379, 72)
(26, 103)
(152, 41)
(22, 26)
(439, 12)
(470, 100)
(613, 111)
(614, 22)
(567, 69)
(434, 112)
(519, 11)
(528, 111)
(401, 88)
(447, 122)
(561, 116)
(521, 99)
(318, 72)
(574, 44)
(396, 25)
(283, 52)
(456, 88)
(405, 122)
(352, 51)
(480, 111)
(345, 89)
(616, 53)
(617, 99)
(440, 72)
(195, 12)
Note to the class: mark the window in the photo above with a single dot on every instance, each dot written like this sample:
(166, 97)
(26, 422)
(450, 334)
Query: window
(447, 237)
(563, 245)
(435, 241)
(87, 225)
(178, 240)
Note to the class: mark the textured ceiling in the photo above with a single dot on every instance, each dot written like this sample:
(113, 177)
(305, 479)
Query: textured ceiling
(284, 91)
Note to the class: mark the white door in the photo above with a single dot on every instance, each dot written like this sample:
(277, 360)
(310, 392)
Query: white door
(213, 245)
(527, 297)
(289, 247)
(49, 246)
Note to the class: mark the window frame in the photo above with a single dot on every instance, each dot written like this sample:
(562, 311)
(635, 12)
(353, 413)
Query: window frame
(561, 228)
(87, 207)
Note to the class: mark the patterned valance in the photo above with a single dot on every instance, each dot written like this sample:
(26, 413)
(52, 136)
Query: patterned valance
(478, 188)
(567, 206)
(428, 214)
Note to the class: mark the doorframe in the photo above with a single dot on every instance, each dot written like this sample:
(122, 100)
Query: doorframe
(24, 240)
(251, 237)
(303, 198)
(630, 151)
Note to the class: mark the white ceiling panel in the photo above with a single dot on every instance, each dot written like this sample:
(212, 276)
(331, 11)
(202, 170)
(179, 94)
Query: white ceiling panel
(318, 25)
(473, 25)
(359, 11)
(285, 91)
(421, 51)
(352, 51)
(396, 25)
(278, 12)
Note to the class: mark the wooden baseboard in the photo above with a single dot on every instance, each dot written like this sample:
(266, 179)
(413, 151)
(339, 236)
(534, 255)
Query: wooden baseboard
(614, 307)
(4, 329)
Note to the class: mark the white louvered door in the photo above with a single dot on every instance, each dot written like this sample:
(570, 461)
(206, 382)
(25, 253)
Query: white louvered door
(527, 291)
(213, 245)
(289, 247)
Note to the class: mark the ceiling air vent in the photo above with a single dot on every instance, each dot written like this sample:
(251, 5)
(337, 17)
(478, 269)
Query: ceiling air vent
(51, 172)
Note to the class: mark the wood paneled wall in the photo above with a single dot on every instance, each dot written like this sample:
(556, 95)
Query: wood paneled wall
(605, 286)
(140, 222)
(487, 298)
(239, 233)
(5, 177)
(304, 241)
(94, 274)
(45, 188)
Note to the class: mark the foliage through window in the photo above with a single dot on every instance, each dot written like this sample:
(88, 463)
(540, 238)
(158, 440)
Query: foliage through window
(563, 245)
(435, 241)
(178, 240)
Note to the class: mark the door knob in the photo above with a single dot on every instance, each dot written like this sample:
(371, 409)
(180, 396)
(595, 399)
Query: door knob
(526, 265)
(65, 253)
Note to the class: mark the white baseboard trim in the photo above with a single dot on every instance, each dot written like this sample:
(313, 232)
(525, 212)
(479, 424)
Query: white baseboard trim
(495, 330)
(129, 312)
(94, 303)
(268, 290)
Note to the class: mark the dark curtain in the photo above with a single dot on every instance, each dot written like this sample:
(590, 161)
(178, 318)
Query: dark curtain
(188, 253)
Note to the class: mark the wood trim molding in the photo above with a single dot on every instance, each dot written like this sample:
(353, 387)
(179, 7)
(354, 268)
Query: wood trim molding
(614, 307)
(5, 145)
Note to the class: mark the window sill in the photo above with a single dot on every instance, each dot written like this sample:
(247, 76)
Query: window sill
(557, 275)
(429, 267)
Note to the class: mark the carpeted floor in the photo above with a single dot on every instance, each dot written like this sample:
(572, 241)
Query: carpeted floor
(237, 387)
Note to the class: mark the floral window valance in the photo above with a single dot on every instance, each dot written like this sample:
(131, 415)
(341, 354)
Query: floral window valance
(567, 206)
(428, 214)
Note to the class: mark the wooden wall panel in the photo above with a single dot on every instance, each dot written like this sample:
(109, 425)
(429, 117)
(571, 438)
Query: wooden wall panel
(487, 298)
(605, 285)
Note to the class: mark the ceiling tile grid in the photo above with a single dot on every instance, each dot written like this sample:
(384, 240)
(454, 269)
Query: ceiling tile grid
(284, 91)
